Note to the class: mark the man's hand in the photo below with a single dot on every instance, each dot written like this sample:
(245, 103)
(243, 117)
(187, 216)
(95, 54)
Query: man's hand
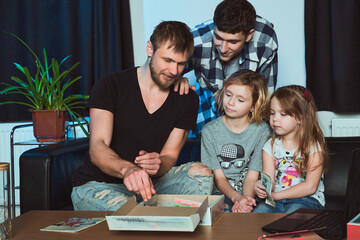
(150, 162)
(137, 180)
(182, 85)
(243, 204)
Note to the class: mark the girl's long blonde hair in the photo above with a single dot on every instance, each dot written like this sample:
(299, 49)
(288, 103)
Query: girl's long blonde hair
(298, 102)
(256, 83)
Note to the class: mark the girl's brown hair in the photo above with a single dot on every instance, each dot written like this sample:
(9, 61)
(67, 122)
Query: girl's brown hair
(256, 83)
(298, 102)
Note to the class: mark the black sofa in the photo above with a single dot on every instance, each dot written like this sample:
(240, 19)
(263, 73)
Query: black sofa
(45, 172)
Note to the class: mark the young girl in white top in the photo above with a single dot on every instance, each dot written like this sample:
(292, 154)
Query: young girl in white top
(295, 157)
(231, 145)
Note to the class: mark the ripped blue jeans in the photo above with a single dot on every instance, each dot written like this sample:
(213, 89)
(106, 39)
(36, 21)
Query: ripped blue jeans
(101, 196)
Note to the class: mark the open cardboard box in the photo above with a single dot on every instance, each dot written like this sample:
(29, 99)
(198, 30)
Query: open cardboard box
(159, 214)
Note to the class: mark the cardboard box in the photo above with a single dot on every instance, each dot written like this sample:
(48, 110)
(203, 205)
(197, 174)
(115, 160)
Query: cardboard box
(353, 228)
(160, 214)
(214, 210)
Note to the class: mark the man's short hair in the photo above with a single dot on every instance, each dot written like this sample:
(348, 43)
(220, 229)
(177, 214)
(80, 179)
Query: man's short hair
(178, 33)
(234, 16)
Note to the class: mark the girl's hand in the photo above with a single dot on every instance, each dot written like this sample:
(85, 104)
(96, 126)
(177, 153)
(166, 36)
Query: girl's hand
(260, 190)
(244, 204)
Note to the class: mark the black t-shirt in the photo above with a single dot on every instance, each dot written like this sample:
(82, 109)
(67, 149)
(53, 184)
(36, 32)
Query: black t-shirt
(134, 128)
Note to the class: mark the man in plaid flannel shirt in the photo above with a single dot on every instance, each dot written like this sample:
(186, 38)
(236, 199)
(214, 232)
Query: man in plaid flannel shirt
(235, 39)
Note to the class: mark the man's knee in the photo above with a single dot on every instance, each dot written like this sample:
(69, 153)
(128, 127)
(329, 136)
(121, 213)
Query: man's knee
(202, 175)
(200, 170)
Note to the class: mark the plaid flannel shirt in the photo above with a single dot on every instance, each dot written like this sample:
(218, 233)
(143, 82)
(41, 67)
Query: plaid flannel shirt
(259, 55)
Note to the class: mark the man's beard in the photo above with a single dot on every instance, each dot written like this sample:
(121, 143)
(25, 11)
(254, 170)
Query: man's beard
(156, 78)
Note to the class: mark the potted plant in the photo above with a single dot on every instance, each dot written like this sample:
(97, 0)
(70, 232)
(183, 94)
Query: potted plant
(45, 92)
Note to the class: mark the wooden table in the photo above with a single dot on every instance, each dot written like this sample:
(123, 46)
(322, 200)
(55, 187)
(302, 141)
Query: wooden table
(228, 226)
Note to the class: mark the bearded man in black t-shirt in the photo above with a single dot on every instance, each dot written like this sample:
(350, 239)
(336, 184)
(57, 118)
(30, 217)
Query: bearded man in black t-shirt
(138, 125)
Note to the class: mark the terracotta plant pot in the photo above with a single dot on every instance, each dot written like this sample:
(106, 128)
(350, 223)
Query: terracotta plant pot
(49, 125)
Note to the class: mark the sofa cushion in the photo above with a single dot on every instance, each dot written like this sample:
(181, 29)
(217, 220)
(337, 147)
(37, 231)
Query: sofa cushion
(46, 173)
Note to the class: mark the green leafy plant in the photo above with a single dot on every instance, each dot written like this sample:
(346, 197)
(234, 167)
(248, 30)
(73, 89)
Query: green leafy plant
(45, 90)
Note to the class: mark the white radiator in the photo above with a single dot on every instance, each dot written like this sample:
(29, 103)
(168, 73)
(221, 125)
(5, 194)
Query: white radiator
(22, 134)
(345, 127)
